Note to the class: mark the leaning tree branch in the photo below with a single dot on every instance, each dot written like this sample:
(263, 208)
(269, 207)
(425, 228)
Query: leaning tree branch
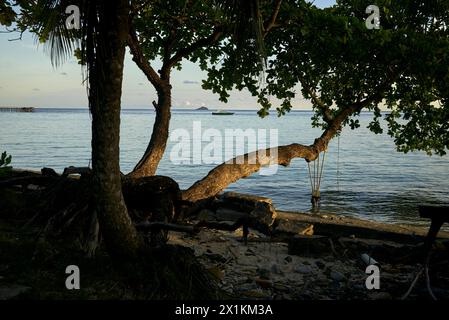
(142, 62)
(242, 166)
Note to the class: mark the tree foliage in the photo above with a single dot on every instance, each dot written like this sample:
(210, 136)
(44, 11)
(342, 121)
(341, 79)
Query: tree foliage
(332, 59)
(172, 30)
(5, 160)
(326, 55)
(46, 20)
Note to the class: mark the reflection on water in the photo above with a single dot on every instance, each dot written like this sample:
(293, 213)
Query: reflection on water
(374, 181)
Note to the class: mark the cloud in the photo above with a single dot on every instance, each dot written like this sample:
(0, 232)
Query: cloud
(190, 82)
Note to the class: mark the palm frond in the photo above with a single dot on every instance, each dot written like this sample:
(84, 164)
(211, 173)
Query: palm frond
(59, 41)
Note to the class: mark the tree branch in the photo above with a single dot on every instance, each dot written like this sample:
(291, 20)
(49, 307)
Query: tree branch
(156, 226)
(135, 9)
(268, 25)
(242, 166)
(147, 226)
(327, 115)
(168, 46)
(142, 62)
(182, 53)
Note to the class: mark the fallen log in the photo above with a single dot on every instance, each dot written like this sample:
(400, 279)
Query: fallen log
(242, 222)
(254, 212)
(231, 220)
(147, 226)
(242, 202)
(290, 223)
(224, 214)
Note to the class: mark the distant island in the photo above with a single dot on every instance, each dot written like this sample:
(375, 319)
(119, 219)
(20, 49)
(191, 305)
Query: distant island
(202, 109)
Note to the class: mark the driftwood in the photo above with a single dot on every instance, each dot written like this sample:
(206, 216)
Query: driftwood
(242, 222)
(239, 210)
(147, 226)
(291, 223)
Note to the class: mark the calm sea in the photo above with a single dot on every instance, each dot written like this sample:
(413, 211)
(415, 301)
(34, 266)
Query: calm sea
(363, 175)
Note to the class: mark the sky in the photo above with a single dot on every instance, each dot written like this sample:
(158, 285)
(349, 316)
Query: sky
(28, 79)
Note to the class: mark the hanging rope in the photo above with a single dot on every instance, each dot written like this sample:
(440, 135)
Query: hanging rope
(321, 172)
(315, 177)
(338, 164)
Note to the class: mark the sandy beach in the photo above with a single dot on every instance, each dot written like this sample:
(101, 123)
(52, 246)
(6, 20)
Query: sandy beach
(266, 269)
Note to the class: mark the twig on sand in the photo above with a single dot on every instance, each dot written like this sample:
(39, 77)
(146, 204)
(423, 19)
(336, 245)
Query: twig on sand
(424, 269)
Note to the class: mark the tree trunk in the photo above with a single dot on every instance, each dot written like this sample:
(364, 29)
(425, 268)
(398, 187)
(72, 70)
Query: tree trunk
(105, 79)
(147, 166)
(242, 166)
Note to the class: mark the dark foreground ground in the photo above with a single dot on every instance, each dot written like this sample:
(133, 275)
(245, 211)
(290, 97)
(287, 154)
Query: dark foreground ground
(308, 257)
(34, 268)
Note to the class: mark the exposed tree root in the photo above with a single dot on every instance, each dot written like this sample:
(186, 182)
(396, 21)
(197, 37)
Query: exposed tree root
(61, 207)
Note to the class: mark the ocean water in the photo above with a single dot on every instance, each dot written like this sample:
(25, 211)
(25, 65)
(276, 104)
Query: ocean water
(364, 176)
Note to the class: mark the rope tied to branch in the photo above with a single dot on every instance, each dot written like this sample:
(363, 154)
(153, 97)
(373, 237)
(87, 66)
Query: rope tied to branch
(315, 177)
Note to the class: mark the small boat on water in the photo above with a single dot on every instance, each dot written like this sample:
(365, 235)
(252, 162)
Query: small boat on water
(222, 113)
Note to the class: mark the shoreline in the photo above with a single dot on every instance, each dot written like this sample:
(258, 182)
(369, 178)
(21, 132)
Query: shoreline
(298, 257)
(332, 224)
(308, 256)
(301, 216)
(268, 269)
(331, 269)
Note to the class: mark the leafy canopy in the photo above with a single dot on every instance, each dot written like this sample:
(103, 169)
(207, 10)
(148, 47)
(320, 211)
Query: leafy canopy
(330, 57)
(326, 55)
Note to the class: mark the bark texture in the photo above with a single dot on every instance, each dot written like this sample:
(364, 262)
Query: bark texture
(147, 166)
(107, 52)
(242, 166)
(160, 80)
